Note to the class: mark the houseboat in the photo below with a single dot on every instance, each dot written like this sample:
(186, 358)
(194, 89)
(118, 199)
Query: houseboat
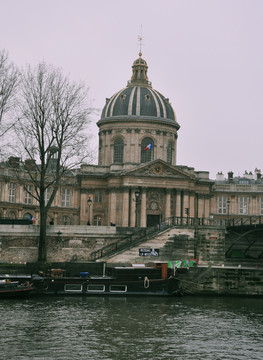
(153, 280)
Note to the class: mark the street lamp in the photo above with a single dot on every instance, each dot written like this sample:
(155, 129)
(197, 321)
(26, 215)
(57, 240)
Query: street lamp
(89, 205)
(137, 195)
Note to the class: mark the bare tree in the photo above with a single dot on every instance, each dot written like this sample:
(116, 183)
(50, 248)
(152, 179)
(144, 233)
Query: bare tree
(9, 76)
(52, 130)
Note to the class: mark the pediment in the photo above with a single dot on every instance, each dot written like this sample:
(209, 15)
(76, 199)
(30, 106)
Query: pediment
(159, 168)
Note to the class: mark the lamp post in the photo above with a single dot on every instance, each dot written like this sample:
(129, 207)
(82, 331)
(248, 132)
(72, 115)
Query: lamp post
(137, 195)
(89, 205)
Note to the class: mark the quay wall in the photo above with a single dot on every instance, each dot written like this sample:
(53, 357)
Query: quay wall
(225, 280)
(19, 243)
(214, 275)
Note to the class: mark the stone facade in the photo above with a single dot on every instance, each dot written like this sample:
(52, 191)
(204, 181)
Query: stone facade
(137, 181)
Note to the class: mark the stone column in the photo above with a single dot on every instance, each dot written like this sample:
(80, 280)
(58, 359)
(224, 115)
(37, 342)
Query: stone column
(207, 207)
(201, 206)
(132, 208)
(178, 204)
(168, 204)
(185, 203)
(112, 207)
(192, 205)
(125, 208)
(83, 206)
(143, 222)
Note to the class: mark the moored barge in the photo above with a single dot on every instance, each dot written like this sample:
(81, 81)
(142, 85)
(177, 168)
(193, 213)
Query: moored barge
(154, 280)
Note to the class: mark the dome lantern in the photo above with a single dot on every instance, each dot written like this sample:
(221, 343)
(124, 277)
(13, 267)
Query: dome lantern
(139, 72)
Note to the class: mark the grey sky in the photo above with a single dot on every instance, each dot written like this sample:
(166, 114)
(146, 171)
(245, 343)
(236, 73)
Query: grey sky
(206, 56)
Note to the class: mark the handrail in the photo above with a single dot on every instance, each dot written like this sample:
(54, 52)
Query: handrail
(140, 234)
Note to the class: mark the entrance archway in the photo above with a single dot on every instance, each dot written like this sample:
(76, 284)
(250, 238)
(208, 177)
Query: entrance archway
(153, 220)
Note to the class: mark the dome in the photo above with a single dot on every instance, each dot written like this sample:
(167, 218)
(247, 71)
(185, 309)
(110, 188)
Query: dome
(138, 99)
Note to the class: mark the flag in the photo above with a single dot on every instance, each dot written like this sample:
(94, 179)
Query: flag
(149, 146)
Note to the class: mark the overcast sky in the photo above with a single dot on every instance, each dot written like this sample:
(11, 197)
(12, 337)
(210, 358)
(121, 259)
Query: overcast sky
(206, 56)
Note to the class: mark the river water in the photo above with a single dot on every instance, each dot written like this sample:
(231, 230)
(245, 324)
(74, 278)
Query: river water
(131, 328)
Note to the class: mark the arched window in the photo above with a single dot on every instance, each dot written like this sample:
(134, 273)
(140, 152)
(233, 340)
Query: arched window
(118, 151)
(27, 216)
(11, 215)
(147, 147)
(169, 152)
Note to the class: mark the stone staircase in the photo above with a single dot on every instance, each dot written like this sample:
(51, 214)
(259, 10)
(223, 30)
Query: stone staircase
(173, 243)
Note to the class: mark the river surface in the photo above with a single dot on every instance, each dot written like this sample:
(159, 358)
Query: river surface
(131, 328)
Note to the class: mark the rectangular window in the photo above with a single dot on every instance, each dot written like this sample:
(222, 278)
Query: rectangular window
(73, 287)
(12, 192)
(243, 205)
(118, 288)
(222, 204)
(98, 197)
(65, 196)
(47, 195)
(96, 288)
(28, 196)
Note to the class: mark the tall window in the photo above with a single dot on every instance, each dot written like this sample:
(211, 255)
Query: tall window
(97, 220)
(47, 195)
(65, 197)
(28, 192)
(169, 152)
(222, 204)
(98, 197)
(243, 205)
(118, 151)
(147, 147)
(12, 192)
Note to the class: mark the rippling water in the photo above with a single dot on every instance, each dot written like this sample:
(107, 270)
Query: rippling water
(131, 328)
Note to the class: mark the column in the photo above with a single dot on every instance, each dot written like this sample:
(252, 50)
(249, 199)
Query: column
(168, 204)
(125, 208)
(83, 206)
(143, 222)
(207, 207)
(112, 207)
(185, 203)
(192, 205)
(178, 204)
(132, 208)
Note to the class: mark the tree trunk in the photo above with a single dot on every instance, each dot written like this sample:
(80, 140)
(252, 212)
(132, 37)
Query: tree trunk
(42, 249)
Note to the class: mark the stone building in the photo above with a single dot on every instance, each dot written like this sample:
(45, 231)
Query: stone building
(237, 196)
(137, 181)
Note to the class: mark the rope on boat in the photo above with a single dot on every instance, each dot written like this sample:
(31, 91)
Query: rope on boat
(146, 282)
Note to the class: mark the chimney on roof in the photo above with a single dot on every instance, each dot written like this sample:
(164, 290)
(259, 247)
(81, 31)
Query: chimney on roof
(230, 175)
(14, 162)
(30, 164)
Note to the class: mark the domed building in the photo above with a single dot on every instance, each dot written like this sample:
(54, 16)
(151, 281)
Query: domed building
(135, 117)
(137, 181)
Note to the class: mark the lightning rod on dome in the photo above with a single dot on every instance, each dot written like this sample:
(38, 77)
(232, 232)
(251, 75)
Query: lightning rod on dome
(140, 42)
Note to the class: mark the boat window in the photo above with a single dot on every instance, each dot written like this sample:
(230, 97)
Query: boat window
(96, 288)
(73, 287)
(118, 288)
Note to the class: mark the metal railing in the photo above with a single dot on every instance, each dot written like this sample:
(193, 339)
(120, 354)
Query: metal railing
(142, 234)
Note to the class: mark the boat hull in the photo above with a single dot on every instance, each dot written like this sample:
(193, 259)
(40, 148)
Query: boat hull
(15, 290)
(107, 287)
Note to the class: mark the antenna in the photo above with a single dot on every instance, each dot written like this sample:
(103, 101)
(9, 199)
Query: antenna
(140, 41)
